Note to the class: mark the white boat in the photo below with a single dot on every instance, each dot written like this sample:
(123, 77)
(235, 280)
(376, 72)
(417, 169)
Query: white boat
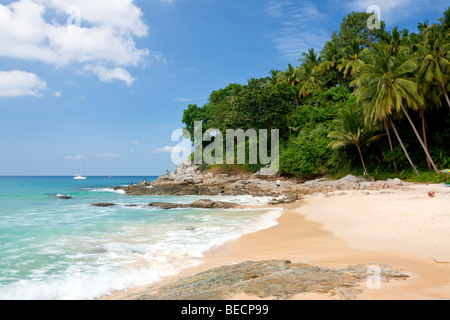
(79, 176)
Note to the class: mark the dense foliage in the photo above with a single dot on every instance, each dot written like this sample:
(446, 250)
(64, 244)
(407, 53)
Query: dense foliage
(371, 101)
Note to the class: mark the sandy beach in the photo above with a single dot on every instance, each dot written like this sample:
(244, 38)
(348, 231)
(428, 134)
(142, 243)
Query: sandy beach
(400, 229)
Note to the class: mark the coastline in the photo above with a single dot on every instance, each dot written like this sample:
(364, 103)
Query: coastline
(397, 229)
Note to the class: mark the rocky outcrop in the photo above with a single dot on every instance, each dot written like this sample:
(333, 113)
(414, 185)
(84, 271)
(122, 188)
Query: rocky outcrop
(200, 204)
(103, 204)
(63, 196)
(187, 179)
(267, 279)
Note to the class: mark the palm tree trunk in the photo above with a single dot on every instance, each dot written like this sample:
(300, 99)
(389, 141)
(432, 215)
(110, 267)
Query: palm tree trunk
(404, 150)
(446, 95)
(390, 140)
(424, 130)
(362, 159)
(420, 140)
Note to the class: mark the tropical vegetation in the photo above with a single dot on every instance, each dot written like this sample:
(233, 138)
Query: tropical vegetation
(372, 102)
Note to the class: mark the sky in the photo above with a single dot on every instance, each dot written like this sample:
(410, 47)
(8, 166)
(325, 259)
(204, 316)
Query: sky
(103, 83)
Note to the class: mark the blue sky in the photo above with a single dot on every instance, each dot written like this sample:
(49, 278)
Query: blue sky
(105, 82)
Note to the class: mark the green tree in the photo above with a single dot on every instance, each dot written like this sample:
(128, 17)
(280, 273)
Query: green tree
(354, 26)
(353, 58)
(311, 81)
(434, 57)
(330, 60)
(386, 88)
(350, 129)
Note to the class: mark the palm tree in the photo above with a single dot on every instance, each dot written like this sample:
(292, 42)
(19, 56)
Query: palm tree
(434, 60)
(350, 129)
(311, 80)
(445, 22)
(274, 78)
(291, 76)
(353, 59)
(385, 89)
(330, 59)
(311, 58)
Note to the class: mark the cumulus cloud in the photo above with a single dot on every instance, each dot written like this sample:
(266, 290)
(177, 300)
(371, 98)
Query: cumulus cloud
(41, 30)
(20, 83)
(111, 75)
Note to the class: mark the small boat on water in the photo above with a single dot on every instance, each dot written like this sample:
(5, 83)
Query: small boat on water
(79, 176)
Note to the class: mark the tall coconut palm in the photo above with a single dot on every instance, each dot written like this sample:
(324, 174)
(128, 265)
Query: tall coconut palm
(311, 58)
(330, 59)
(386, 88)
(291, 76)
(311, 80)
(350, 129)
(353, 59)
(434, 55)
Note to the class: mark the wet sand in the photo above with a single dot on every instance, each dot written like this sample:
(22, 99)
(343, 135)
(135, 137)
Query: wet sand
(399, 229)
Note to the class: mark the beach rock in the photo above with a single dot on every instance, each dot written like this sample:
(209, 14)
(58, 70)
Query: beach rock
(103, 204)
(64, 197)
(366, 185)
(187, 179)
(394, 182)
(200, 204)
(351, 179)
(275, 279)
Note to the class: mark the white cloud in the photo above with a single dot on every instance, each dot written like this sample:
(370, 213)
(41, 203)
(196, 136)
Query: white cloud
(77, 157)
(134, 142)
(300, 27)
(111, 75)
(29, 30)
(20, 83)
(57, 94)
(170, 149)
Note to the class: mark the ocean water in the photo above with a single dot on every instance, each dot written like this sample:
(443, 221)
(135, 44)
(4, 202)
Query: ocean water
(59, 249)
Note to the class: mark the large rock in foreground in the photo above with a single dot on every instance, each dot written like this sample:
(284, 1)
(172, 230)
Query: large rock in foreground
(267, 279)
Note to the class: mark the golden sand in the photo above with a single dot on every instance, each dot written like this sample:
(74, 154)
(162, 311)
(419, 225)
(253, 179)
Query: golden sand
(402, 229)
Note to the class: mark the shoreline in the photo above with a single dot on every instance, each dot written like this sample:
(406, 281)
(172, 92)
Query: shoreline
(324, 230)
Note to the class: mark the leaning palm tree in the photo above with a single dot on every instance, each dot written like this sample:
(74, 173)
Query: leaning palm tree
(434, 55)
(350, 129)
(386, 89)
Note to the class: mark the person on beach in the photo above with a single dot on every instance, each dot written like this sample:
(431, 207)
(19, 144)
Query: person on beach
(278, 183)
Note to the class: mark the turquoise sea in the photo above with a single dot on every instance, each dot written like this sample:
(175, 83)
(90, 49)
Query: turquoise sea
(58, 249)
